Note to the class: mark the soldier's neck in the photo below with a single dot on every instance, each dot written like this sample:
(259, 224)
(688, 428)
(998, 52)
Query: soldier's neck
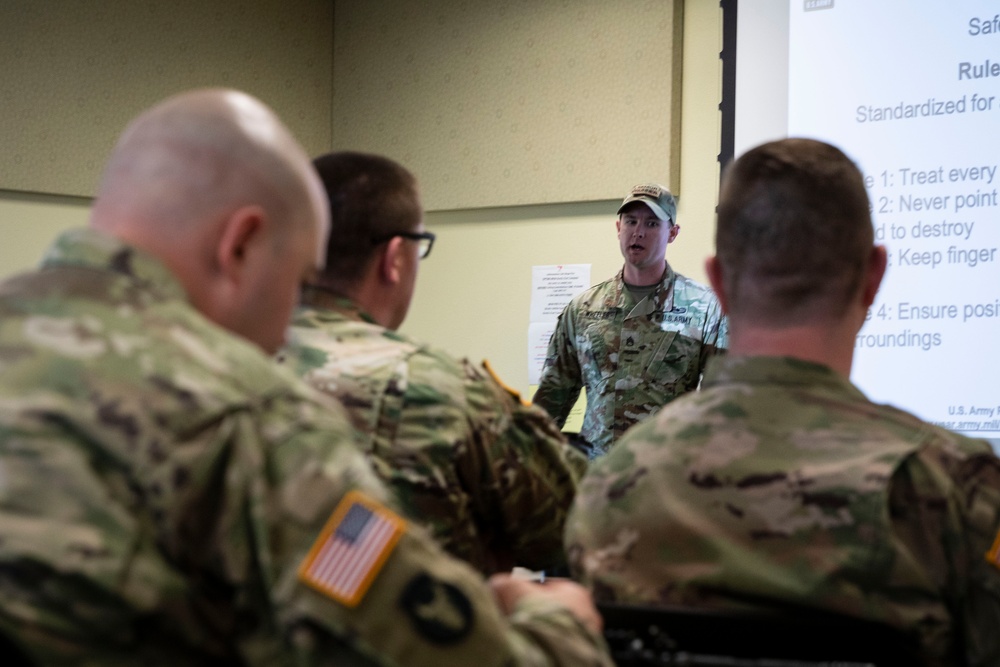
(649, 275)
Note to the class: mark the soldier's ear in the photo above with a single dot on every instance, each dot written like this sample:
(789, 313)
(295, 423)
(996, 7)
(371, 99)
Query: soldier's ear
(714, 271)
(391, 261)
(240, 249)
(242, 231)
(877, 261)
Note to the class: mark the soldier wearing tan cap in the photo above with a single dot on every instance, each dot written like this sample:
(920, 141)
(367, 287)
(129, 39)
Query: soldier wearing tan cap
(637, 341)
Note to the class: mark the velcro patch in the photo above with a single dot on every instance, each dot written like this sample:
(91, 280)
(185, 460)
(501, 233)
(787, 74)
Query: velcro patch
(351, 549)
(993, 555)
(488, 367)
(439, 611)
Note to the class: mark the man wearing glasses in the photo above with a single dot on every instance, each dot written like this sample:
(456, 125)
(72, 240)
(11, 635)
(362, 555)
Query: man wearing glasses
(162, 482)
(637, 341)
(492, 477)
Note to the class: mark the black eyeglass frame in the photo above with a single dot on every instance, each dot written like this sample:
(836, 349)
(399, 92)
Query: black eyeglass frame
(413, 236)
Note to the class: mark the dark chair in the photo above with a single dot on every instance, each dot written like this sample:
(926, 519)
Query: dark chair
(646, 636)
(11, 654)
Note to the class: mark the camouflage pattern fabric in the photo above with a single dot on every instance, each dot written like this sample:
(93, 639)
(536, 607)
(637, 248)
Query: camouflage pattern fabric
(491, 477)
(632, 358)
(780, 484)
(161, 481)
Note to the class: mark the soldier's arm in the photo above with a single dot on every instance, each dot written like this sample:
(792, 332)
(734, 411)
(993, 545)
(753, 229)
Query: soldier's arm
(946, 509)
(425, 609)
(562, 377)
(522, 470)
(979, 606)
(325, 569)
(715, 337)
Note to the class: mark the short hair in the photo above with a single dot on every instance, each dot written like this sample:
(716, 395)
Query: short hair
(794, 232)
(371, 198)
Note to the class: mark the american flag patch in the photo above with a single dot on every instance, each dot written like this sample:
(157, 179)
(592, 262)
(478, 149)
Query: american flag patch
(351, 549)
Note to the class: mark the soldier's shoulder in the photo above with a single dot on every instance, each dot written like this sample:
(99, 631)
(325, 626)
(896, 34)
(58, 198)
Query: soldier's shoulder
(932, 434)
(346, 347)
(438, 610)
(693, 290)
(595, 294)
(961, 457)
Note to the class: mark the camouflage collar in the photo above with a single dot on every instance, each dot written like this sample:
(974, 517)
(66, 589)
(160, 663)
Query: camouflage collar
(321, 297)
(659, 301)
(786, 371)
(308, 315)
(89, 248)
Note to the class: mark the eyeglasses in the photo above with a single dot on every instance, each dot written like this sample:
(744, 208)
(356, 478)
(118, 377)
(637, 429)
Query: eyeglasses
(425, 239)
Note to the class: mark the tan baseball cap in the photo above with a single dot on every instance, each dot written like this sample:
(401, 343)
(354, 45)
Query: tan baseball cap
(656, 197)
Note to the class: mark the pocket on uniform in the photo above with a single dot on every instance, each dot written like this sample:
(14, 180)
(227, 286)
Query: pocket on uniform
(674, 361)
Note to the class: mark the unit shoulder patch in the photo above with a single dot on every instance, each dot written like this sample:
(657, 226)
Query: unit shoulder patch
(439, 611)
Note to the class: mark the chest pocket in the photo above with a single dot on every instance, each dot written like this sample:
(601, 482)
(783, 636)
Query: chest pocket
(642, 350)
(674, 362)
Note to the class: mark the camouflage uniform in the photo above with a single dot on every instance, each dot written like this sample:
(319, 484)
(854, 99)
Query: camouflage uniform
(780, 484)
(488, 474)
(632, 358)
(161, 481)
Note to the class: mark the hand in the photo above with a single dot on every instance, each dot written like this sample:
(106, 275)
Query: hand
(509, 590)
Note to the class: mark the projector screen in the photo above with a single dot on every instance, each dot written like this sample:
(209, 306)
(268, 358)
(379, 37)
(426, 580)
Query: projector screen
(910, 90)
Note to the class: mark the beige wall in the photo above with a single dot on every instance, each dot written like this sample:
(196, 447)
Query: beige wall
(74, 73)
(511, 103)
(28, 223)
(473, 293)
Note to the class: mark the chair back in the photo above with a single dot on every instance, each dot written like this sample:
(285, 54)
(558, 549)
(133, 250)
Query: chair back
(646, 636)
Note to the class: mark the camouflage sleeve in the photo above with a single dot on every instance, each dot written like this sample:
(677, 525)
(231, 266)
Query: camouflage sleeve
(522, 471)
(716, 335)
(947, 509)
(426, 609)
(981, 611)
(562, 377)
(592, 517)
(552, 634)
(307, 536)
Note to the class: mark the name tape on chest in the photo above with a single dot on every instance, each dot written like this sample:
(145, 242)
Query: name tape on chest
(351, 549)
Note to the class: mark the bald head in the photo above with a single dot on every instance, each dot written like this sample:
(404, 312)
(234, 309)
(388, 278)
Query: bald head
(203, 178)
(198, 154)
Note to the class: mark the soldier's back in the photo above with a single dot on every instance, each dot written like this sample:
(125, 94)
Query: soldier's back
(781, 484)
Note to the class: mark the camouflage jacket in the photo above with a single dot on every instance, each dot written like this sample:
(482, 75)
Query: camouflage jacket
(491, 477)
(632, 358)
(169, 496)
(780, 484)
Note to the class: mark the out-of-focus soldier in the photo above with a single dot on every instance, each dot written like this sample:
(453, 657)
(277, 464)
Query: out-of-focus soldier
(491, 476)
(168, 495)
(779, 484)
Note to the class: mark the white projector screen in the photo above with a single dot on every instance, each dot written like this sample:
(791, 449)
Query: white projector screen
(910, 89)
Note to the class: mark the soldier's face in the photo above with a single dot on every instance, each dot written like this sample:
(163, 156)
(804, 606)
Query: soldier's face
(643, 237)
